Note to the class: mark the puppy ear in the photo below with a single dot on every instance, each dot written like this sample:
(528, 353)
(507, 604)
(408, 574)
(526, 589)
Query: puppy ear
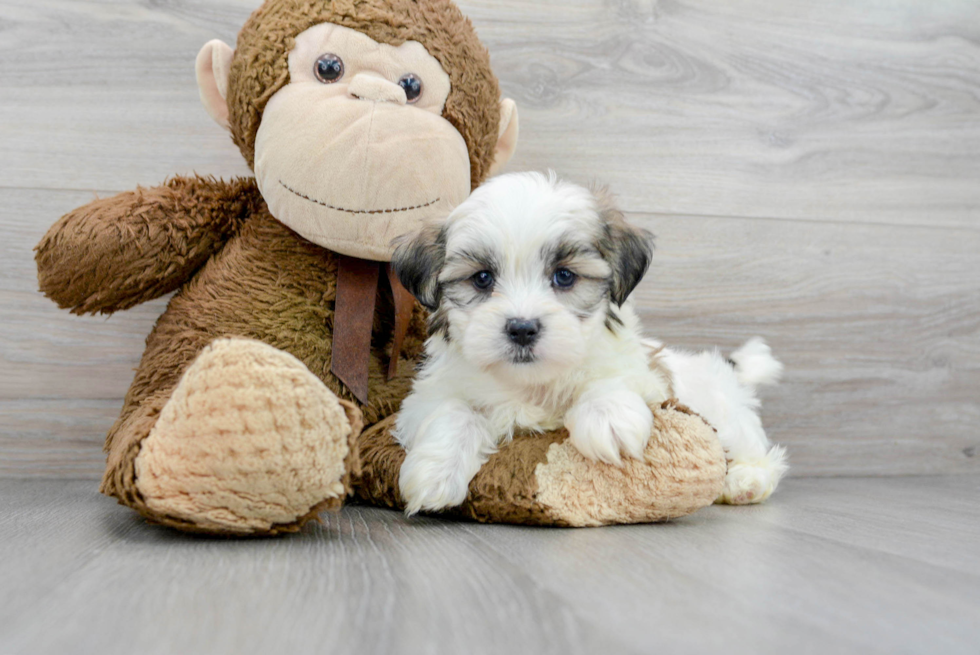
(627, 248)
(417, 261)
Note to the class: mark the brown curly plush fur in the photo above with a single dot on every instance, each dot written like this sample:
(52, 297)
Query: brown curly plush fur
(238, 272)
(260, 66)
(142, 244)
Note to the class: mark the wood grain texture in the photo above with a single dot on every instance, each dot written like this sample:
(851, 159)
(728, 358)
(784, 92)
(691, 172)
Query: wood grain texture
(780, 577)
(831, 565)
(853, 111)
(46, 352)
(879, 328)
(840, 110)
(58, 438)
(367, 581)
(810, 170)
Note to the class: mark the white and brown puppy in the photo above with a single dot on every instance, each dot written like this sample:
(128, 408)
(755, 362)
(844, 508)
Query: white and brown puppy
(528, 281)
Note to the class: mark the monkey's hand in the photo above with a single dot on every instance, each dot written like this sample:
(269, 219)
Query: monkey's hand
(117, 252)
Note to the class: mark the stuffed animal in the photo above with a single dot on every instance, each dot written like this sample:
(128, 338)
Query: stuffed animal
(267, 389)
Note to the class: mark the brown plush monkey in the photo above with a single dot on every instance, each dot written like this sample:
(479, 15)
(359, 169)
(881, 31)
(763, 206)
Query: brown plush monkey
(268, 385)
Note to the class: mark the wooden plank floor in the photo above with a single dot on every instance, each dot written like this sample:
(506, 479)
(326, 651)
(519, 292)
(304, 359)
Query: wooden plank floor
(842, 565)
(811, 170)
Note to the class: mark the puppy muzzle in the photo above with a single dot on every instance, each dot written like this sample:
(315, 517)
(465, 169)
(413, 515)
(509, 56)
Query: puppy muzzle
(523, 332)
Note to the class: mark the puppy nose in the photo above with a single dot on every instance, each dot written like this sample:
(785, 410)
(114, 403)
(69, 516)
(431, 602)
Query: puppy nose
(522, 331)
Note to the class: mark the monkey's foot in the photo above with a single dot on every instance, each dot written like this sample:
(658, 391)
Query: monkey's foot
(250, 442)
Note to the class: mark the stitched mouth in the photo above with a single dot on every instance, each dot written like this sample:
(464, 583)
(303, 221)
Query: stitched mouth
(355, 211)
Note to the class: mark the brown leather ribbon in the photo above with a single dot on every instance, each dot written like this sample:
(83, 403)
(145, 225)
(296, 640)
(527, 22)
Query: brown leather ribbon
(357, 292)
(357, 289)
(404, 305)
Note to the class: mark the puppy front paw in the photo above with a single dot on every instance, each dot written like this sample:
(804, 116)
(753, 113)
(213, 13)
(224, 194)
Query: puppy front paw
(430, 484)
(752, 481)
(601, 425)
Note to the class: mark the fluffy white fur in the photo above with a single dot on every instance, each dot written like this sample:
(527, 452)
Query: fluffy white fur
(588, 368)
(725, 395)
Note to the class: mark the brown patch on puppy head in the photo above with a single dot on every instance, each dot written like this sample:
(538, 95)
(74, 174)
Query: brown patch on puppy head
(260, 66)
(627, 248)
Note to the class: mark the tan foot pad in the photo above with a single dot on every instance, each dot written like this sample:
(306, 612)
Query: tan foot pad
(249, 440)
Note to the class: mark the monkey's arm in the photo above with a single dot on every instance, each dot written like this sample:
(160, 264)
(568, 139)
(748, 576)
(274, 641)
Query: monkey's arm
(117, 252)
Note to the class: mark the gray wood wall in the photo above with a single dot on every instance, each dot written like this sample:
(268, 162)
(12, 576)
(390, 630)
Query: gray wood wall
(811, 169)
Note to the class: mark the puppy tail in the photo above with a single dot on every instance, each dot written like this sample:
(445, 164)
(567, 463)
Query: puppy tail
(754, 364)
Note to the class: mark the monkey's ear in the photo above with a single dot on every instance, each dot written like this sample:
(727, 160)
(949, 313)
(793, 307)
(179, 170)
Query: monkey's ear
(627, 248)
(507, 137)
(417, 261)
(213, 67)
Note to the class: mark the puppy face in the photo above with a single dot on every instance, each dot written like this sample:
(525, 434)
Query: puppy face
(524, 273)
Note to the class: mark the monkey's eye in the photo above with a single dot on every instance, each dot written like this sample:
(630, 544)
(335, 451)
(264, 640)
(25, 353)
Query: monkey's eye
(563, 278)
(329, 68)
(483, 280)
(412, 85)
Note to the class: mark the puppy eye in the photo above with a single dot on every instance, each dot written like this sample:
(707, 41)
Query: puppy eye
(563, 278)
(328, 68)
(412, 85)
(483, 280)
